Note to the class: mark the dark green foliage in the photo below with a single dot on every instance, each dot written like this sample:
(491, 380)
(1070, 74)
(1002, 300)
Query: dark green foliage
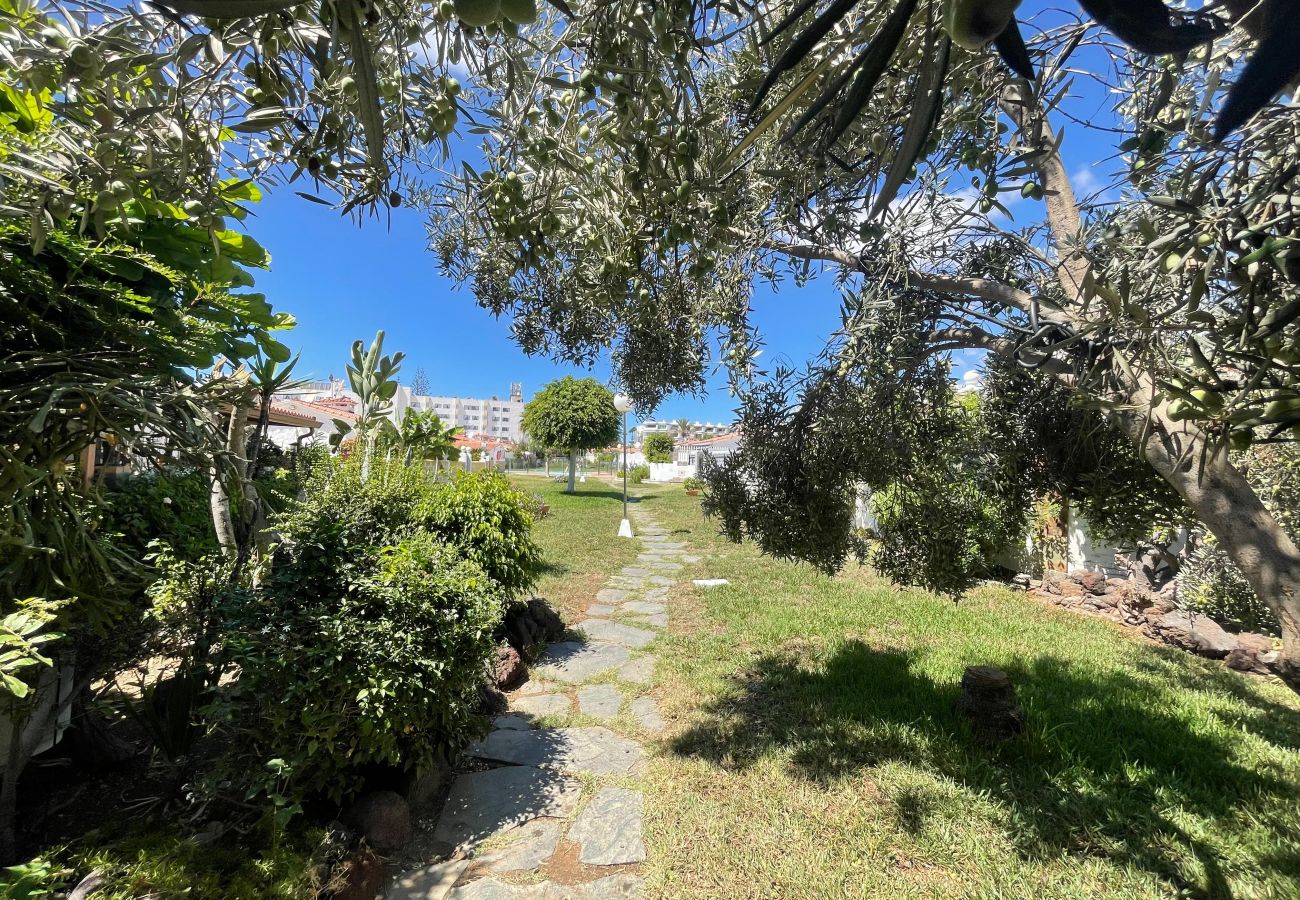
(366, 645)
(489, 522)
(1046, 443)
(170, 505)
(659, 448)
(638, 474)
(572, 414)
(811, 440)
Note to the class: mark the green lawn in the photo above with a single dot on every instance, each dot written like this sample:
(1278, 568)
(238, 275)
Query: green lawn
(579, 538)
(815, 752)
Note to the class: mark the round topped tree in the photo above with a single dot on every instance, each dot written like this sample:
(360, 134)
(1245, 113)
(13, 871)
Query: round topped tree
(573, 414)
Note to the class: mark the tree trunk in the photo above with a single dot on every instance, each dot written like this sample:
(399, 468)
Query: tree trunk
(1180, 451)
(573, 470)
(1222, 498)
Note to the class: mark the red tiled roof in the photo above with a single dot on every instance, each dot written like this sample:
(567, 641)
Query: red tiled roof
(720, 439)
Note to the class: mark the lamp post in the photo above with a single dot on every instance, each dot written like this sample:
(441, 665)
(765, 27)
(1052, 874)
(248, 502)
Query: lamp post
(622, 403)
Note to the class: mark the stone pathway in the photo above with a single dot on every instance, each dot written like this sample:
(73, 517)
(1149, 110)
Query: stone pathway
(558, 815)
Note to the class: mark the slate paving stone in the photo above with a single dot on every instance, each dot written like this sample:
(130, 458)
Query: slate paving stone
(665, 566)
(659, 580)
(534, 686)
(608, 830)
(538, 705)
(663, 545)
(532, 844)
(640, 670)
(616, 633)
(636, 571)
(430, 883)
(485, 803)
(612, 887)
(655, 593)
(611, 595)
(646, 711)
(645, 607)
(600, 609)
(656, 620)
(574, 661)
(600, 700)
(512, 720)
(595, 750)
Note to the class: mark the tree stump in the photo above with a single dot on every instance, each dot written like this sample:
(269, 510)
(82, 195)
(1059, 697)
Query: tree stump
(988, 703)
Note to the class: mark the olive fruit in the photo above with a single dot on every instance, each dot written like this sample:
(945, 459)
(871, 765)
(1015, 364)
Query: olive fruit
(521, 12)
(973, 23)
(478, 13)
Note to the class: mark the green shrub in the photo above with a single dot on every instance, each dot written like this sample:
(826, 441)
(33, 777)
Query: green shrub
(367, 642)
(160, 860)
(172, 505)
(693, 484)
(490, 522)
(638, 474)
(659, 448)
(354, 654)
(1211, 583)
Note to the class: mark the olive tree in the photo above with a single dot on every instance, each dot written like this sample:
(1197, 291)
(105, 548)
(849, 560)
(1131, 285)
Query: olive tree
(629, 202)
(572, 414)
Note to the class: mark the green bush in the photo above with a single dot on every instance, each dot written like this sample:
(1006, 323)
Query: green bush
(354, 654)
(367, 642)
(172, 505)
(1211, 583)
(693, 484)
(490, 522)
(659, 448)
(638, 474)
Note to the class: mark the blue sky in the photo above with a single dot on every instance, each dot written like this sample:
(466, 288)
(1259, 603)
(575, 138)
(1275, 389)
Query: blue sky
(345, 281)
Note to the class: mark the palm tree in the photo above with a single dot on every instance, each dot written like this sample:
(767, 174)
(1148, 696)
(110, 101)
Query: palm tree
(683, 428)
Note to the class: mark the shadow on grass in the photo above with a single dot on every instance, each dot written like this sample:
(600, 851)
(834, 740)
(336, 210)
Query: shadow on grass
(1105, 768)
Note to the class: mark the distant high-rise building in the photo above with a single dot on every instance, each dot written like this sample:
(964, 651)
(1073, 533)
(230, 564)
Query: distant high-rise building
(488, 418)
(694, 430)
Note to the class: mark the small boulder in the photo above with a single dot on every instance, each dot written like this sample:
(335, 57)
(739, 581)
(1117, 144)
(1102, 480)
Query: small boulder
(547, 619)
(1195, 633)
(1259, 643)
(508, 669)
(491, 702)
(1022, 580)
(358, 876)
(1052, 581)
(1069, 588)
(383, 818)
(1093, 582)
(988, 703)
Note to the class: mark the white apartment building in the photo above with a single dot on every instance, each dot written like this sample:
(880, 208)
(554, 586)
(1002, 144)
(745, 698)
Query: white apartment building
(492, 417)
(489, 418)
(694, 431)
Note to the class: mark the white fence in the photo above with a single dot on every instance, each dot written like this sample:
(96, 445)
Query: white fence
(670, 471)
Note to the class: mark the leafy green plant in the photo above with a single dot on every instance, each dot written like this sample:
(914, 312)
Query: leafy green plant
(1210, 583)
(355, 654)
(489, 521)
(638, 474)
(693, 484)
(659, 448)
(22, 633)
(170, 504)
(373, 376)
